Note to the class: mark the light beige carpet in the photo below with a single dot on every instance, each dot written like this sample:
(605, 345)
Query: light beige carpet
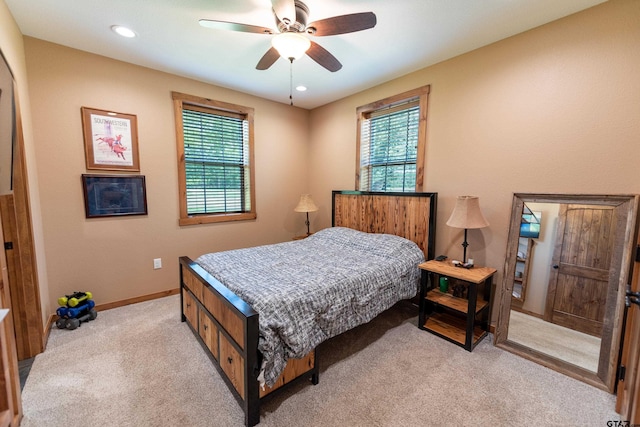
(140, 366)
(565, 344)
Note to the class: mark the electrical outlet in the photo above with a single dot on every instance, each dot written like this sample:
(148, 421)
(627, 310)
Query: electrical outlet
(157, 263)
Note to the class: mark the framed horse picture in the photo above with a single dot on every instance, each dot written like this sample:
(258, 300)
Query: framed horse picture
(110, 140)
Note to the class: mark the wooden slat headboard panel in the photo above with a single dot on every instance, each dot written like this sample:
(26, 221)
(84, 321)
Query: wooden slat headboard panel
(408, 215)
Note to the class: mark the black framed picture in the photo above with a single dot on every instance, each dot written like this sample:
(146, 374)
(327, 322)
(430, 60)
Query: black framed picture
(114, 195)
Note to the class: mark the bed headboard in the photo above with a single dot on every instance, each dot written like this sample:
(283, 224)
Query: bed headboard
(408, 215)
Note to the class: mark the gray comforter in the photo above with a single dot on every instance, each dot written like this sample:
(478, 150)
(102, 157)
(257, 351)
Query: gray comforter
(309, 290)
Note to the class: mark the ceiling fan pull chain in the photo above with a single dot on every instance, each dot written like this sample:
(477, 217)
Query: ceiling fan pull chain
(291, 81)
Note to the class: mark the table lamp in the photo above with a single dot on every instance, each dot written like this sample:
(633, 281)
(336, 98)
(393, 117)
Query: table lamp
(467, 214)
(306, 205)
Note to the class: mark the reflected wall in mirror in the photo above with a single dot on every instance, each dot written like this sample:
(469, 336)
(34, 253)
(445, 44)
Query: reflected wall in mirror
(7, 127)
(562, 296)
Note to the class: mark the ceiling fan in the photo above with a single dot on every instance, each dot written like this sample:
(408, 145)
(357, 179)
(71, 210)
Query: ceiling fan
(290, 41)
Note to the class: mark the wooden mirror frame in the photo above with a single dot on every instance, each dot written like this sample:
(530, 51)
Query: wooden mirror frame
(626, 207)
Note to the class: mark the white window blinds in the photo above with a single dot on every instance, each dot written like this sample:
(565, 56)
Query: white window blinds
(216, 158)
(389, 147)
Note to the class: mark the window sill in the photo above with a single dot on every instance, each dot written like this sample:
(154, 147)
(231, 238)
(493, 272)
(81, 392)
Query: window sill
(206, 219)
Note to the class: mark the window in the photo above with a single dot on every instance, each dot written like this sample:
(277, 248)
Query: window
(215, 160)
(391, 143)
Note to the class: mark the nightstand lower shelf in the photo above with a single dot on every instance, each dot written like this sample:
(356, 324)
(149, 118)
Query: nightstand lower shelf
(452, 328)
(458, 304)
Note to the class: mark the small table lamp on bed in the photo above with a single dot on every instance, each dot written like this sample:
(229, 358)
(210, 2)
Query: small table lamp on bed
(467, 214)
(306, 205)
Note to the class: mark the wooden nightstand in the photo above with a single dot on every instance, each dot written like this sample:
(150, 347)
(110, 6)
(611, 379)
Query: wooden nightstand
(462, 320)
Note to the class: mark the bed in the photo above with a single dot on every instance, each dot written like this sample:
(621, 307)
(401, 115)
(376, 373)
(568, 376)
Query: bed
(260, 313)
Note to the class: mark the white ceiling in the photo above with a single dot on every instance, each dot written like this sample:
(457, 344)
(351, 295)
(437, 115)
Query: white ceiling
(409, 35)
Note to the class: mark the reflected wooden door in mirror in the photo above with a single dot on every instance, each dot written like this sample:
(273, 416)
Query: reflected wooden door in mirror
(577, 293)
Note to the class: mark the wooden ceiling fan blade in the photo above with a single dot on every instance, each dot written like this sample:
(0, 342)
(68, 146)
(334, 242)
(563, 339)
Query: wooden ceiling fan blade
(343, 24)
(323, 57)
(285, 10)
(233, 26)
(268, 59)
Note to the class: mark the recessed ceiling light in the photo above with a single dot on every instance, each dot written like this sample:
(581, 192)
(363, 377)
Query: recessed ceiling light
(301, 88)
(123, 31)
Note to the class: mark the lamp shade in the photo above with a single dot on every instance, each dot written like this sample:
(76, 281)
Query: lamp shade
(467, 213)
(306, 204)
(291, 45)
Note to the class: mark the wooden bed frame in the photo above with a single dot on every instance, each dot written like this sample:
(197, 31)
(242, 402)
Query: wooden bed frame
(227, 327)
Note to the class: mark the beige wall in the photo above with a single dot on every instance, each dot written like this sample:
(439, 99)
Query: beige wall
(113, 257)
(552, 110)
(12, 47)
(541, 256)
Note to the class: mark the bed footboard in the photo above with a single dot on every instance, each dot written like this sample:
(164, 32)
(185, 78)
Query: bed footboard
(227, 328)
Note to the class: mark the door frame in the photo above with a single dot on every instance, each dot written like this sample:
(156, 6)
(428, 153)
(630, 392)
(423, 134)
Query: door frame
(628, 386)
(17, 228)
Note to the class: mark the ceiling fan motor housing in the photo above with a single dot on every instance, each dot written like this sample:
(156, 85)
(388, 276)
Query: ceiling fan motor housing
(302, 16)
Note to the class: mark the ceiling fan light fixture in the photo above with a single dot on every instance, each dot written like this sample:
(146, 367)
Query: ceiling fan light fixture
(291, 45)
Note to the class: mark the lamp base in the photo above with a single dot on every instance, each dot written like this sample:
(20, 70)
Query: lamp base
(464, 245)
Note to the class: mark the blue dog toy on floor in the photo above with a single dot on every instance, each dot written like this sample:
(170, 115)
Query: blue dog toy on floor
(75, 309)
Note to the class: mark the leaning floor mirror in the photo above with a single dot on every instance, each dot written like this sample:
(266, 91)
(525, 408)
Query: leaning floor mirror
(562, 297)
